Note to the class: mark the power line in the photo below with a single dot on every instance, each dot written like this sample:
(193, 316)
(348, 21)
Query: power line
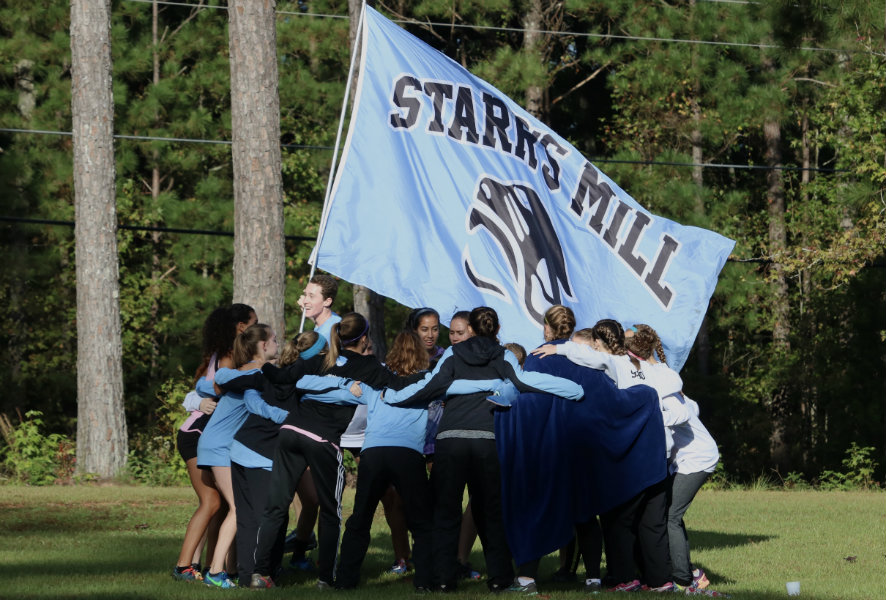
(718, 165)
(295, 238)
(593, 160)
(151, 138)
(299, 238)
(611, 36)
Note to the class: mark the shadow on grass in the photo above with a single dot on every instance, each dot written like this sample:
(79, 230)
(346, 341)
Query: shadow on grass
(709, 540)
(108, 553)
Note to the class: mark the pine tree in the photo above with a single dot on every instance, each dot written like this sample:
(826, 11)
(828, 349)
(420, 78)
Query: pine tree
(101, 424)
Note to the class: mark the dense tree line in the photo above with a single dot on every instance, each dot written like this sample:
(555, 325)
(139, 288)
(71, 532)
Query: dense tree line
(762, 121)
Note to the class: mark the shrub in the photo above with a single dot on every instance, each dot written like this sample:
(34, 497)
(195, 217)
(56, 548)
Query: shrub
(153, 457)
(34, 458)
(858, 473)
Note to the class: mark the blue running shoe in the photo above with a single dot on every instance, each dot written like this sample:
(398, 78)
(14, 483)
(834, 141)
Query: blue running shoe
(219, 580)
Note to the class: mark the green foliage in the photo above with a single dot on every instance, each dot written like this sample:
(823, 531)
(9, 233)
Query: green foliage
(153, 457)
(858, 471)
(31, 456)
(619, 98)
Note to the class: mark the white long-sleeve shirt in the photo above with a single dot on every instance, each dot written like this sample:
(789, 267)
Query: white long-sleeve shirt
(694, 448)
(620, 369)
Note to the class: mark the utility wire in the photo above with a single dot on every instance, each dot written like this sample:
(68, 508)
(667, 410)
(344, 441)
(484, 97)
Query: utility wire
(593, 160)
(151, 138)
(611, 36)
(295, 238)
(300, 238)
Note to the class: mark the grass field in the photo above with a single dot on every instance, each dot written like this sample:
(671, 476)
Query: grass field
(122, 542)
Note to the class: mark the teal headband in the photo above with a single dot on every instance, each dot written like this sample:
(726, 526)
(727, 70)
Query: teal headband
(315, 349)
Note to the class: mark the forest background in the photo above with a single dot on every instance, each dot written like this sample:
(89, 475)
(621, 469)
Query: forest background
(763, 121)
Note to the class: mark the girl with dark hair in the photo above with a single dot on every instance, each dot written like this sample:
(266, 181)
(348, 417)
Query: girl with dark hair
(426, 323)
(252, 348)
(465, 452)
(219, 331)
(310, 437)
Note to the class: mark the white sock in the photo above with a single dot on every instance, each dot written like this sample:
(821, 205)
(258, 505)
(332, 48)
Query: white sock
(525, 580)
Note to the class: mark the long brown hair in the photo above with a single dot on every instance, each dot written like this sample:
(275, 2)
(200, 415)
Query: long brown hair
(345, 334)
(645, 342)
(407, 354)
(610, 332)
(246, 344)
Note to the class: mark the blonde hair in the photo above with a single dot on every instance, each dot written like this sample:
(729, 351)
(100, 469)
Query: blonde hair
(294, 347)
(561, 320)
(246, 344)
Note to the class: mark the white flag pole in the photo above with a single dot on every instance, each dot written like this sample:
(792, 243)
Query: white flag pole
(358, 47)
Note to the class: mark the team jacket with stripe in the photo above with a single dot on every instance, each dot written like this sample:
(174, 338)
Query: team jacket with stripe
(459, 372)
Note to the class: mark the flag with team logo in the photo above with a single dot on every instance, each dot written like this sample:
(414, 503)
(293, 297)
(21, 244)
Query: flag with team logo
(450, 195)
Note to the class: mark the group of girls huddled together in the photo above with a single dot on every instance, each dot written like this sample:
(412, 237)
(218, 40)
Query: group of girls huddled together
(266, 425)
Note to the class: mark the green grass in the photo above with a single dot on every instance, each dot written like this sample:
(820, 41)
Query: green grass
(121, 542)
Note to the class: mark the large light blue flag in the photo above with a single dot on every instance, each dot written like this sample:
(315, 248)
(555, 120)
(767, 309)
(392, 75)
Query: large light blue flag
(450, 195)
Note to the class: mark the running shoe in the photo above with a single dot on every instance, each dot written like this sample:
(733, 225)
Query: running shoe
(593, 586)
(630, 586)
(668, 588)
(400, 567)
(693, 590)
(219, 580)
(699, 579)
(261, 582)
(322, 585)
(526, 589)
(187, 574)
(466, 571)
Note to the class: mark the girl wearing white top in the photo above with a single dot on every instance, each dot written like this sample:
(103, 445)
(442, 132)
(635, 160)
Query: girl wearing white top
(643, 518)
(693, 456)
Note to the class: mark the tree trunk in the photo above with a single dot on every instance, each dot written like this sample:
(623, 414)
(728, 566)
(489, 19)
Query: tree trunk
(101, 421)
(155, 199)
(777, 234)
(532, 41)
(259, 261)
(778, 446)
(703, 339)
(366, 302)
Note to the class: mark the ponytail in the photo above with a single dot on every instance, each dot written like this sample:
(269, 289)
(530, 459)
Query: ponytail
(246, 344)
(612, 335)
(297, 346)
(646, 342)
(345, 334)
(484, 321)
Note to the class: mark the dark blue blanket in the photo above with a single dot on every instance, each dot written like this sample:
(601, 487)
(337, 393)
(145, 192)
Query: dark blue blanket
(562, 462)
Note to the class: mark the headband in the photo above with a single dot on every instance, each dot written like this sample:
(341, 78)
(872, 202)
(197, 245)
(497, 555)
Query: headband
(635, 356)
(346, 343)
(633, 328)
(315, 349)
